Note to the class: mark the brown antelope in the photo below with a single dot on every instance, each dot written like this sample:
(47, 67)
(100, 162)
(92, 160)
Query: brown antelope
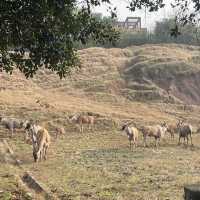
(81, 119)
(172, 129)
(157, 131)
(43, 141)
(59, 131)
(40, 141)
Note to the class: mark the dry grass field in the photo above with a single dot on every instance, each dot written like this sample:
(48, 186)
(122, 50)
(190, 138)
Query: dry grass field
(99, 165)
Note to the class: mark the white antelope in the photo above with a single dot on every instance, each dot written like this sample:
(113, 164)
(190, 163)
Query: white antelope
(132, 133)
(40, 141)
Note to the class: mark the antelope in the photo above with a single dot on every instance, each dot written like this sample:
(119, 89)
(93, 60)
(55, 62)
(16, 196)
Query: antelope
(81, 119)
(156, 131)
(11, 124)
(172, 129)
(132, 133)
(40, 141)
(184, 131)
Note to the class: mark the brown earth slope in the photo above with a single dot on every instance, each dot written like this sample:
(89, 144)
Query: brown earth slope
(108, 75)
(128, 83)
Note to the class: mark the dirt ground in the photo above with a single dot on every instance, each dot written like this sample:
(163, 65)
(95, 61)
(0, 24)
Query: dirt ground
(100, 165)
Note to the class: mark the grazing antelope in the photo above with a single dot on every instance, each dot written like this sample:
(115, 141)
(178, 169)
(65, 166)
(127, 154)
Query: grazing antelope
(132, 133)
(11, 124)
(59, 131)
(81, 119)
(157, 131)
(184, 130)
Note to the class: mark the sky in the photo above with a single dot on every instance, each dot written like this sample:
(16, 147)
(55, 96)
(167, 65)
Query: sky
(148, 21)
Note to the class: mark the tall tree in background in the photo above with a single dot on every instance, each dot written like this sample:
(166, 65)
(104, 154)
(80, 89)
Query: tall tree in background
(188, 11)
(163, 31)
(49, 29)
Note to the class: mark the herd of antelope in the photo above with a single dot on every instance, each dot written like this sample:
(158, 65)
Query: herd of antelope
(40, 138)
(158, 132)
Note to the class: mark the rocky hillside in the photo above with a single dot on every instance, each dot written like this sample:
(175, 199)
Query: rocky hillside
(138, 73)
(173, 68)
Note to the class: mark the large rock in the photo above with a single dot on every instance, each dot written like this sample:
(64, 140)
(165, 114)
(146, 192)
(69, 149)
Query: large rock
(192, 192)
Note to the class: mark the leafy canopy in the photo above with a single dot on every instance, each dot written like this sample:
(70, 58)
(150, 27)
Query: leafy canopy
(43, 33)
(37, 33)
(188, 11)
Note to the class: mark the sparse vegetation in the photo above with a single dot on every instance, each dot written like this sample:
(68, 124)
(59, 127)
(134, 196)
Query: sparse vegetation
(99, 164)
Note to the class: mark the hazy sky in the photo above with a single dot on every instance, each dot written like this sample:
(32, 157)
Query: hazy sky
(149, 21)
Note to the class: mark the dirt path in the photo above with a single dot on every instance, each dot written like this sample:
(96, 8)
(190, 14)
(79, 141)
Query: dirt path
(25, 181)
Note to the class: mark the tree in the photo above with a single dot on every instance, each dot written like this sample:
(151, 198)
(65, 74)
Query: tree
(42, 33)
(188, 11)
(47, 30)
(162, 32)
(162, 29)
(108, 20)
